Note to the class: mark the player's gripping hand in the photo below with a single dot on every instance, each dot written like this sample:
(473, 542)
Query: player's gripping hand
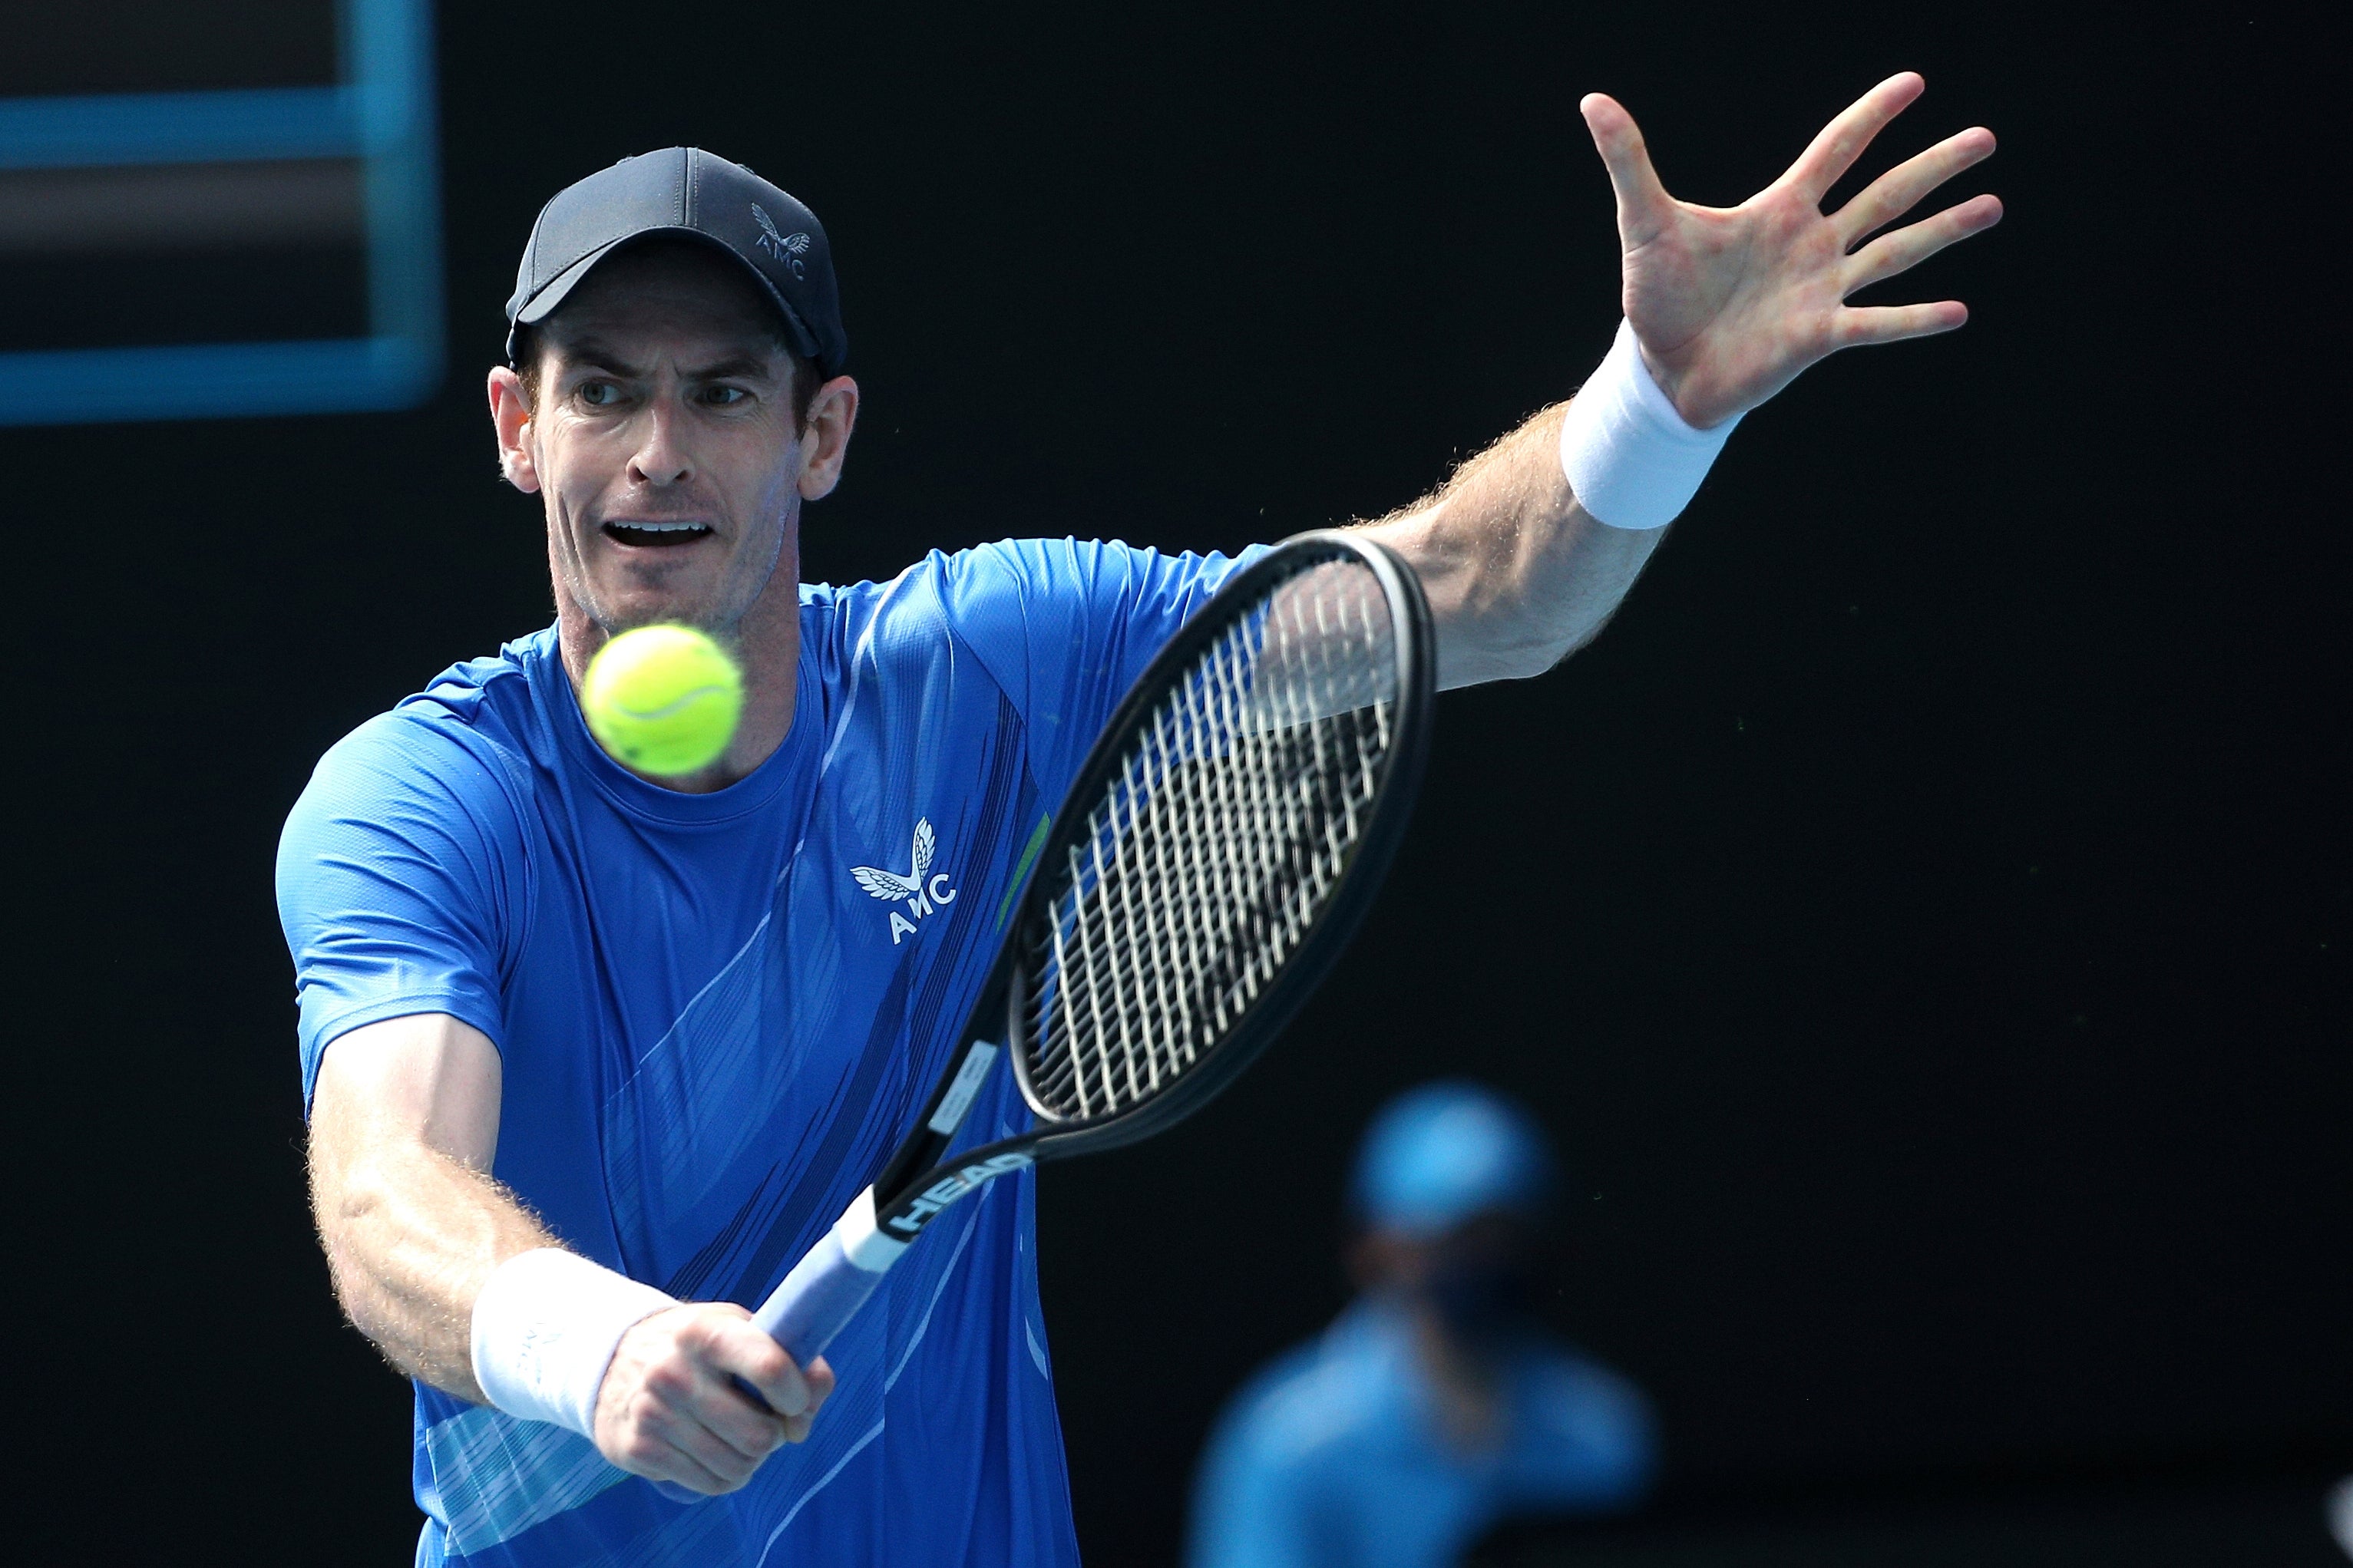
(669, 1410)
(1730, 303)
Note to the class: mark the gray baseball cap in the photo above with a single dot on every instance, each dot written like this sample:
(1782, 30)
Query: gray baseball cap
(687, 191)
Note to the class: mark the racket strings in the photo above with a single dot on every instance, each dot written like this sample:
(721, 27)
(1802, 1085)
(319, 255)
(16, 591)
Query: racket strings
(1225, 828)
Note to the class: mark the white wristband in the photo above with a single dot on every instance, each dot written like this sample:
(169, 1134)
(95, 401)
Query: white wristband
(1629, 456)
(546, 1326)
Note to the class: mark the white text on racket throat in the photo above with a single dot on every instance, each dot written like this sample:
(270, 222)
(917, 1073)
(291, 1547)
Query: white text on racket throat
(952, 1186)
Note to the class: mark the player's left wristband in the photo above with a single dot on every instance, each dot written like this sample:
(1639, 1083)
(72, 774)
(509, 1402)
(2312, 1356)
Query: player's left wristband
(546, 1326)
(1629, 455)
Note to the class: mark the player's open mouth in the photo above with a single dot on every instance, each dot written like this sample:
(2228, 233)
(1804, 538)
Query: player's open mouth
(655, 534)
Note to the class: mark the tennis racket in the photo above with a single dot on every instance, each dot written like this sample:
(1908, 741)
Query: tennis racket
(1215, 853)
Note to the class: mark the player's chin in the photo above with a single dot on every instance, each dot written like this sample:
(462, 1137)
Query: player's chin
(631, 590)
(613, 614)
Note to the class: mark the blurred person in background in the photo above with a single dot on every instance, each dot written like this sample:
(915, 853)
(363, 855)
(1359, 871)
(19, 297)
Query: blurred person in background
(1437, 1405)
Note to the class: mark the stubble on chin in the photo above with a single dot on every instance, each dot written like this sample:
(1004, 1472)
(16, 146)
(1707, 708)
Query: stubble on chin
(719, 607)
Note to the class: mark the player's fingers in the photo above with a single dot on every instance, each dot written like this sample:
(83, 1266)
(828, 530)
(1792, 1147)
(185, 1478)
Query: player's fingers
(697, 1406)
(721, 1400)
(1892, 323)
(684, 1470)
(1841, 142)
(1908, 248)
(1642, 202)
(706, 1459)
(665, 1439)
(738, 1419)
(1896, 191)
(818, 1376)
(739, 1348)
(821, 1386)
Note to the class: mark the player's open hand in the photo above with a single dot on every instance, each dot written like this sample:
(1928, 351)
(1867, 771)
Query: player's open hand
(668, 1409)
(1730, 303)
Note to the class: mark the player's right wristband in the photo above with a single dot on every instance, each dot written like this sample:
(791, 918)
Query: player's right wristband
(1627, 454)
(546, 1326)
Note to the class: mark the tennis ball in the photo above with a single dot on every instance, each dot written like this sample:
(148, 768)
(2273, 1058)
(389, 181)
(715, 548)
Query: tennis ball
(663, 700)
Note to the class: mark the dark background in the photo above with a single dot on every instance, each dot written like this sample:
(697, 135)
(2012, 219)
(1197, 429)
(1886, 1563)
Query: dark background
(1920, 917)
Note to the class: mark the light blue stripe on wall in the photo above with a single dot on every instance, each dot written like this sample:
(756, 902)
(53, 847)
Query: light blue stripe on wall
(202, 381)
(381, 114)
(184, 127)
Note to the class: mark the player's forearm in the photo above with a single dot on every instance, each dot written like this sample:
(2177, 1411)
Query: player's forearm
(1518, 575)
(411, 1235)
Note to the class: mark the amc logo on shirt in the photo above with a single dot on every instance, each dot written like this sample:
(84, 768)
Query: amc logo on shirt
(920, 893)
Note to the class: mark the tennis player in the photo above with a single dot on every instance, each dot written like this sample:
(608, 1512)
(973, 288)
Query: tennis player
(590, 1057)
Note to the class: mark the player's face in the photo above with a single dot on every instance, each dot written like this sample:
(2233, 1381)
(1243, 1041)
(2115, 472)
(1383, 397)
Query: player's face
(663, 444)
(1476, 1277)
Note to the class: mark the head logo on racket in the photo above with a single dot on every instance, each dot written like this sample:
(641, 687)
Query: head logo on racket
(922, 889)
(954, 1185)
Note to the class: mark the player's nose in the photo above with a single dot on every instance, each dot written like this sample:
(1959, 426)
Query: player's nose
(661, 456)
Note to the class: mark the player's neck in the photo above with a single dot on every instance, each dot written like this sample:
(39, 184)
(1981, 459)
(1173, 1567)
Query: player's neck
(1464, 1380)
(769, 645)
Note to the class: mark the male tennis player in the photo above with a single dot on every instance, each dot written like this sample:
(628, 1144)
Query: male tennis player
(1436, 1405)
(590, 1059)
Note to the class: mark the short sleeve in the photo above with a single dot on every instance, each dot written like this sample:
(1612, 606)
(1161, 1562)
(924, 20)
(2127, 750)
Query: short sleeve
(1066, 626)
(1251, 1506)
(398, 884)
(1594, 1444)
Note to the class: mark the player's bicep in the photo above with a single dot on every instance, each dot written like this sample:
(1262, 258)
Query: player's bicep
(424, 1079)
(397, 887)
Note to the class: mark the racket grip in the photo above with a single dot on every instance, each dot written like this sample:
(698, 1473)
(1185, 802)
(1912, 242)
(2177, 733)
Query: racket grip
(818, 1299)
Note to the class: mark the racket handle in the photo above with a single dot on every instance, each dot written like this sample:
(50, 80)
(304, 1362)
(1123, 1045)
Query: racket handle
(818, 1299)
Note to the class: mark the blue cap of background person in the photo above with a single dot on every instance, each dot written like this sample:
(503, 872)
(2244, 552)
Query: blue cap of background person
(687, 191)
(1438, 1154)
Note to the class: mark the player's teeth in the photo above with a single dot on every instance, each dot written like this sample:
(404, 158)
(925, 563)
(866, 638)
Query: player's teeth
(696, 529)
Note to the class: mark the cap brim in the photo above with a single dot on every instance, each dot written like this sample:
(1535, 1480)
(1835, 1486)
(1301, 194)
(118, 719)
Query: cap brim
(543, 303)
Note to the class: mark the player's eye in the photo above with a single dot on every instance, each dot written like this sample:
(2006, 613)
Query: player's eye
(726, 396)
(599, 393)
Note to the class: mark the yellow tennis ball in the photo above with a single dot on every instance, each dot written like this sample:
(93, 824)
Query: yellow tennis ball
(663, 700)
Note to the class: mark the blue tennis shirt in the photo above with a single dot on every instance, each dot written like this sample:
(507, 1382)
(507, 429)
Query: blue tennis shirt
(1335, 1456)
(712, 1034)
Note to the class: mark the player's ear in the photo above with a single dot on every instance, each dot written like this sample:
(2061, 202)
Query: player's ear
(511, 417)
(825, 437)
